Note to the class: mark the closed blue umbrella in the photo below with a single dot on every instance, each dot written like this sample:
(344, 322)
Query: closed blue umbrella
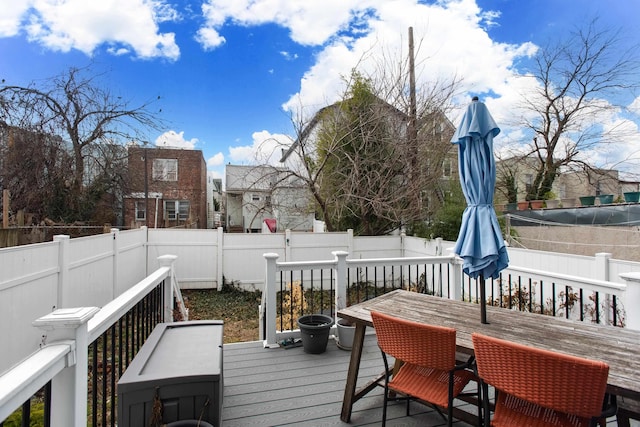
(480, 243)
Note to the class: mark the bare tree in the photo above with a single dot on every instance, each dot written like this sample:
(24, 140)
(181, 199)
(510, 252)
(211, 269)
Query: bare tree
(361, 164)
(74, 107)
(573, 79)
(35, 168)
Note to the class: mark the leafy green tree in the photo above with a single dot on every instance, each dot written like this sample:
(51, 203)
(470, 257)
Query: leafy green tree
(446, 221)
(363, 169)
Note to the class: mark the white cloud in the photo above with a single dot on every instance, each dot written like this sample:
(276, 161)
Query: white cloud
(288, 55)
(310, 22)
(265, 149)
(174, 139)
(209, 38)
(441, 32)
(634, 107)
(85, 25)
(11, 16)
(217, 160)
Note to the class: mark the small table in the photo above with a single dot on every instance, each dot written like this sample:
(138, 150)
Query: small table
(618, 347)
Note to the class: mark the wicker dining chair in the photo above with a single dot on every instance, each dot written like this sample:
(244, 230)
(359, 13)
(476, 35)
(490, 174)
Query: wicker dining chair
(428, 372)
(536, 387)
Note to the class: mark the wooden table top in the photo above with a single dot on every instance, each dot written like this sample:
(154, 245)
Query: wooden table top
(618, 347)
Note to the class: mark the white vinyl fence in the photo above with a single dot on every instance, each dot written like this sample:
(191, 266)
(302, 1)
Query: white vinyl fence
(91, 271)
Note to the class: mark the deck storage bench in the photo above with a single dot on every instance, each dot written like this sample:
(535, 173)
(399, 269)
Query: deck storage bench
(176, 376)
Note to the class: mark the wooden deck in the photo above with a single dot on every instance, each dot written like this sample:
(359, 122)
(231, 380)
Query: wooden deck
(269, 387)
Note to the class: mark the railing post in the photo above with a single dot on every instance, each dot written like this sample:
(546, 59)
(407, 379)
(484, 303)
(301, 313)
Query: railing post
(69, 387)
(455, 292)
(270, 300)
(341, 280)
(63, 268)
(167, 291)
(632, 299)
(602, 273)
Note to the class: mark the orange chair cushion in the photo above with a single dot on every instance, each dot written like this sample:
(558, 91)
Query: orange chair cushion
(428, 384)
(512, 411)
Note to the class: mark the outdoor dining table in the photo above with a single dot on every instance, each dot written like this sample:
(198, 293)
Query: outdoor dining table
(619, 347)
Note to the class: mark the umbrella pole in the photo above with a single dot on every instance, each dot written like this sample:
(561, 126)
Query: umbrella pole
(483, 301)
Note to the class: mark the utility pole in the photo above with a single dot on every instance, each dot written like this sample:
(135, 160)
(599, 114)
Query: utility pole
(146, 187)
(413, 109)
(412, 128)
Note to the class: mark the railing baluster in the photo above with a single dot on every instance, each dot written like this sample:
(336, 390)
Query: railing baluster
(47, 404)
(113, 363)
(94, 383)
(26, 413)
(104, 376)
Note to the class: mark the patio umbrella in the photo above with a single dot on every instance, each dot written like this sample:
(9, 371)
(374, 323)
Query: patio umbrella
(480, 243)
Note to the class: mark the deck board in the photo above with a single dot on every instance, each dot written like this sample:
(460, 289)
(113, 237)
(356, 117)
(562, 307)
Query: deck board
(273, 387)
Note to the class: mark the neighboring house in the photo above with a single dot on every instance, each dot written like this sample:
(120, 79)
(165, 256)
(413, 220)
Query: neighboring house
(434, 133)
(629, 186)
(214, 202)
(588, 183)
(168, 188)
(567, 185)
(258, 193)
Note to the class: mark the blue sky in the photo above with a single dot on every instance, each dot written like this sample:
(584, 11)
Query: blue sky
(232, 74)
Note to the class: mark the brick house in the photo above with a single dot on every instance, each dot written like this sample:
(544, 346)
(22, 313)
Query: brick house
(174, 193)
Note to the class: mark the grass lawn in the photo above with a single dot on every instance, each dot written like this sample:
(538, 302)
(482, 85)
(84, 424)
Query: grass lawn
(238, 309)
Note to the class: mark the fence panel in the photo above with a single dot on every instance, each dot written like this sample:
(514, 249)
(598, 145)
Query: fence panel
(314, 246)
(242, 258)
(28, 290)
(132, 258)
(196, 249)
(365, 247)
(90, 276)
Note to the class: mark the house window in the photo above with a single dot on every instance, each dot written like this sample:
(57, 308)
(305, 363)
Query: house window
(176, 210)
(141, 211)
(165, 169)
(528, 183)
(446, 168)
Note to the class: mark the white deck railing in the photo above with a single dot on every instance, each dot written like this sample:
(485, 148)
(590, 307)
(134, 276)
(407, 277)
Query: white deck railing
(63, 356)
(627, 295)
(112, 281)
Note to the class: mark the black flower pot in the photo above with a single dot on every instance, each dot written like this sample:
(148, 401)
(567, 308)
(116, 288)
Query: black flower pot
(314, 331)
